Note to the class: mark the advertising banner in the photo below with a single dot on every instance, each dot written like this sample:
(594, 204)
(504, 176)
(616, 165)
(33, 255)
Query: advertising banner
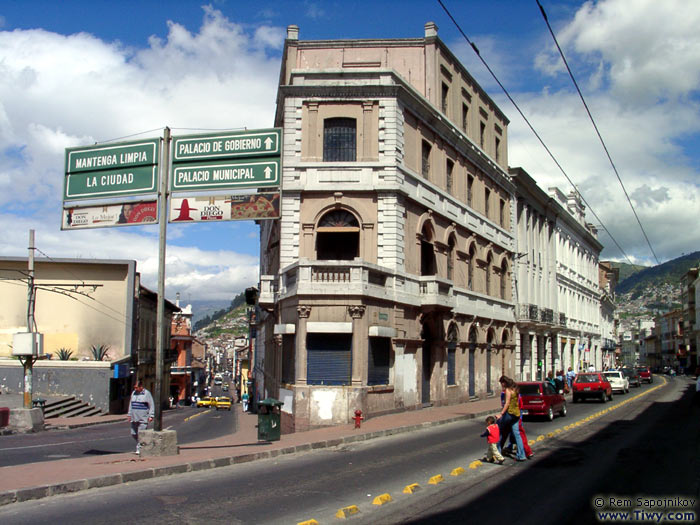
(124, 214)
(225, 208)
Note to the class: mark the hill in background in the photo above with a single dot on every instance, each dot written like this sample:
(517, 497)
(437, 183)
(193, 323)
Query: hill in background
(213, 315)
(668, 273)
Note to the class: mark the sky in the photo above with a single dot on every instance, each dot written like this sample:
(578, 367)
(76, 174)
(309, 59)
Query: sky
(75, 73)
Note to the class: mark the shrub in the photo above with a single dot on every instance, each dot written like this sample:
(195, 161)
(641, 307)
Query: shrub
(99, 352)
(64, 354)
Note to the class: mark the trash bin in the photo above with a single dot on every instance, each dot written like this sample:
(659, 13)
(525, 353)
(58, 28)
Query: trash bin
(269, 420)
(39, 403)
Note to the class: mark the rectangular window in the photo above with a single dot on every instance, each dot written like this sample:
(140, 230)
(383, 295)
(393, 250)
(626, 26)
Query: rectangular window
(503, 213)
(339, 140)
(329, 359)
(487, 204)
(470, 188)
(482, 134)
(451, 353)
(465, 117)
(449, 168)
(444, 98)
(425, 160)
(379, 362)
(498, 150)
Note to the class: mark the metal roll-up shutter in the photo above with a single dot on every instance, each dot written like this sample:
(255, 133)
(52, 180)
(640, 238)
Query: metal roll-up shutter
(329, 359)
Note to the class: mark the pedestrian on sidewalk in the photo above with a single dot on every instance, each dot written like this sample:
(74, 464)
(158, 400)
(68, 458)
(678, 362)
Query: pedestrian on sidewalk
(141, 410)
(570, 375)
(492, 435)
(509, 418)
(529, 454)
(244, 400)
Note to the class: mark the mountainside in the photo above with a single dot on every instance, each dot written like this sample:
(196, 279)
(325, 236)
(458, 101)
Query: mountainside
(668, 273)
(627, 270)
(213, 315)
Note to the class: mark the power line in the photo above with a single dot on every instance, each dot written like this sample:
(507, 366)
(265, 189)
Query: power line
(561, 52)
(549, 152)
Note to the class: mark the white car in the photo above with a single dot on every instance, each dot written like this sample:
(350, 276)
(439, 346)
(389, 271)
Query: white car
(618, 381)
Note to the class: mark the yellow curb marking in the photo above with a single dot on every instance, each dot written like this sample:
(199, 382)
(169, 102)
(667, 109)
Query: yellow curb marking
(308, 522)
(540, 438)
(475, 464)
(550, 434)
(457, 471)
(410, 489)
(192, 417)
(347, 511)
(531, 442)
(381, 499)
(436, 479)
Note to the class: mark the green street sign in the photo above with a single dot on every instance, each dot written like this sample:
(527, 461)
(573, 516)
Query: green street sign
(114, 170)
(252, 143)
(226, 175)
(111, 183)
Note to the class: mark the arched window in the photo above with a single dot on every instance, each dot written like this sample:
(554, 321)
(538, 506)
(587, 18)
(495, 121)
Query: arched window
(450, 257)
(504, 280)
(428, 265)
(489, 269)
(470, 270)
(338, 236)
(339, 140)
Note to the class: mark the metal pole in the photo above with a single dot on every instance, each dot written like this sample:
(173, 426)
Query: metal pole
(160, 336)
(29, 360)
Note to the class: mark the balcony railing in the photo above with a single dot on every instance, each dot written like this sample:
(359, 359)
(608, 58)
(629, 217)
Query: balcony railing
(547, 315)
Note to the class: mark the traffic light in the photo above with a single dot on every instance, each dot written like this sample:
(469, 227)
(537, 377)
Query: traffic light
(539, 364)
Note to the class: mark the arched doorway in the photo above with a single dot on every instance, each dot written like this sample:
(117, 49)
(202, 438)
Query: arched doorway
(472, 362)
(338, 236)
(489, 348)
(427, 351)
(428, 265)
(452, 338)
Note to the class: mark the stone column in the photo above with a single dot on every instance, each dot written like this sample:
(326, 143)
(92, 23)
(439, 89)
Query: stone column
(358, 353)
(278, 338)
(300, 357)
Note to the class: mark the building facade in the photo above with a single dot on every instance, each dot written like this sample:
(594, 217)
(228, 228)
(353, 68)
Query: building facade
(557, 282)
(387, 283)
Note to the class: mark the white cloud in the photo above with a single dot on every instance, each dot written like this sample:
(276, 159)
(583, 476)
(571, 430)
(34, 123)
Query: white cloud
(640, 80)
(58, 91)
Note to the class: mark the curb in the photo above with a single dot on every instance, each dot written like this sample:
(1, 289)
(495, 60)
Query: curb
(44, 491)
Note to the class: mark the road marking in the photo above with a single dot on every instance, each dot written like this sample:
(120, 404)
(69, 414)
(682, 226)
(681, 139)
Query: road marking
(436, 479)
(382, 499)
(475, 464)
(410, 489)
(308, 522)
(192, 417)
(457, 471)
(347, 511)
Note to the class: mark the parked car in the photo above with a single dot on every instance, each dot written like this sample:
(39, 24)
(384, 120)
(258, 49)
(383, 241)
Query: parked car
(540, 399)
(225, 387)
(645, 374)
(206, 401)
(223, 403)
(632, 375)
(591, 384)
(618, 381)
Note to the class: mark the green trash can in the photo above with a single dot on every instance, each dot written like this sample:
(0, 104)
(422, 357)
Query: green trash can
(269, 420)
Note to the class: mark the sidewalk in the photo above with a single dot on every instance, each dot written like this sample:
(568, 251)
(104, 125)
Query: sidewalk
(39, 480)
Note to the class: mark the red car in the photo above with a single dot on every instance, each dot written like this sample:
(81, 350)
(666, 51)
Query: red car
(591, 384)
(645, 374)
(540, 399)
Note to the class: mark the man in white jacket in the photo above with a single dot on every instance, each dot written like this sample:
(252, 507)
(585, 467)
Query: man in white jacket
(141, 411)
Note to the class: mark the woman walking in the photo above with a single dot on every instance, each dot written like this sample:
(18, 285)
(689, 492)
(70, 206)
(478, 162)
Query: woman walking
(509, 418)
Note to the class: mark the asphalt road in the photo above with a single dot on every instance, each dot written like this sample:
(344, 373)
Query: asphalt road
(111, 438)
(552, 488)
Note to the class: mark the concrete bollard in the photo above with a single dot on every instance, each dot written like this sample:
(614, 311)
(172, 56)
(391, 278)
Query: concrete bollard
(163, 443)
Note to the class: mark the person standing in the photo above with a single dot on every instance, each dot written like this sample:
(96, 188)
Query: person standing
(492, 435)
(570, 374)
(141, 410)
(509, 418)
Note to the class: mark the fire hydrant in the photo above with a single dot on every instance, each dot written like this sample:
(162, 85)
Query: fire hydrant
(358, 418)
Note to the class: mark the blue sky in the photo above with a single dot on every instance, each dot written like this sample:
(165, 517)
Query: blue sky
(78, 72)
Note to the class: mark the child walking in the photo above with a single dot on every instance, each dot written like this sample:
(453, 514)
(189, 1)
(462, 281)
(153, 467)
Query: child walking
(492, 435)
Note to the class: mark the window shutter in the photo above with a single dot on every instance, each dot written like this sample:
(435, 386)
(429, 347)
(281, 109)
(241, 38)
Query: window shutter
(329, 359)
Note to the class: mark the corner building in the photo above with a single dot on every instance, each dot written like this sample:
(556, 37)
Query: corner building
(387, 284)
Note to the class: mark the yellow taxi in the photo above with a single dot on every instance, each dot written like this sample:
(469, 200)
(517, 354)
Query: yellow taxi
(223, 402)
(206, 402)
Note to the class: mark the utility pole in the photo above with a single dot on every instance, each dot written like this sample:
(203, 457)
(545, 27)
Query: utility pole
(160, 314)
(28, 361)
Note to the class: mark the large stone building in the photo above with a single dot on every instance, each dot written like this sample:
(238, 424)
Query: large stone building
(387, 282)
(557, 287)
